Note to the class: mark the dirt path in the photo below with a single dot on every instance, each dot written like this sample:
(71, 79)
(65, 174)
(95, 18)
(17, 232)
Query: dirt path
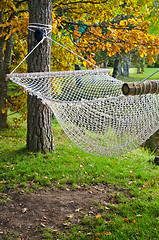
(24, 212)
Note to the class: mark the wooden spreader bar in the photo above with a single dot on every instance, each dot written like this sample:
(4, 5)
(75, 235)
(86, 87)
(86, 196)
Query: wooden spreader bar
(136, 88)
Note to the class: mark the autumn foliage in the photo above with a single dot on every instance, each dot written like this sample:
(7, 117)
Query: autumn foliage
(85, 27)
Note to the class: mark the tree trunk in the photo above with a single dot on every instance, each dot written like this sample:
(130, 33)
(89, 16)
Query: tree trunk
(126, 66)
(3, 122)
(105, 65)
(3, 118)
(39, 120)
(120, 69)
(5, 59)
(78, 79)
(153, 143)
(116, 66)
(142, 65)
(138, 67)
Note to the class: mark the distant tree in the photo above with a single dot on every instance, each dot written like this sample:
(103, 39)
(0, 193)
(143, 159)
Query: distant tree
(12, 17)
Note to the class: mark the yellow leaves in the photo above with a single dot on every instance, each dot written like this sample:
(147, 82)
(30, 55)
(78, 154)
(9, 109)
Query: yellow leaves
(128, 221)
(110, 54)
(54, 23)
(18, 103)
(59, 34)
(62, 59)
(123, 23)
(11, 22)
(4, 110)
(108, 45)
(84, 63)
(56, 86)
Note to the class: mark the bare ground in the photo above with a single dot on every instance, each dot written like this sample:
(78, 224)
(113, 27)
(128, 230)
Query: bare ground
(23, 213)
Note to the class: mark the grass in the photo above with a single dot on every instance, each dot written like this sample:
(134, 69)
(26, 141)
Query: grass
(139, 77)
(135, 214)
(67, 164)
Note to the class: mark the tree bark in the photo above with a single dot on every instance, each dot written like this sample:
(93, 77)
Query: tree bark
(5, 60)
(116, 66)
(39, 120)
(120, 69)
(3, 121)
(153, 143)
(126, 66)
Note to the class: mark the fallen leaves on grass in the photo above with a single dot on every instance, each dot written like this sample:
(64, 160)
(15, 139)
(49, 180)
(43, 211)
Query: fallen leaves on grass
(3, 181)
(97, 234)
(78, 209)
(107, 233)
(126, 220)
(43, 225)
(70, 216)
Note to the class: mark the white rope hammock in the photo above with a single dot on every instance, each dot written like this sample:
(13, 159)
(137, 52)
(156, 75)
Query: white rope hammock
(92, 109)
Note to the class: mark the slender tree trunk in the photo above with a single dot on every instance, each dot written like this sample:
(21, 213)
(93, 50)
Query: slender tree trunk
(120, 69)
(5, 60)
(126, 66)
(116, 66)
(39, 121)
(3, 120)
(78, 79)
(105, 65)
(138, 67)
(142, 65)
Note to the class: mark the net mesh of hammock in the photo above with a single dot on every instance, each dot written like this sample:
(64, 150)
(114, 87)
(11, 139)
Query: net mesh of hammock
(92, 110)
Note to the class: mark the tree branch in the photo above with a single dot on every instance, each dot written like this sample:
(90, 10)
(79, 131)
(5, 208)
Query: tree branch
(82, 2)
(102, 25)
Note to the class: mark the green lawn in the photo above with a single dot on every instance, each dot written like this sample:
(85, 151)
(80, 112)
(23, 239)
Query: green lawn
(136, 212)
(139, 77)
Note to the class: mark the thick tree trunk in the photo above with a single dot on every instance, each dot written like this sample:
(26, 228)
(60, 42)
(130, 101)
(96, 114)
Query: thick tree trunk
(39, 121)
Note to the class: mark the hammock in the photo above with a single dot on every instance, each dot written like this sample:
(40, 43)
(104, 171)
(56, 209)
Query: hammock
(90, 105)
(92, 109)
